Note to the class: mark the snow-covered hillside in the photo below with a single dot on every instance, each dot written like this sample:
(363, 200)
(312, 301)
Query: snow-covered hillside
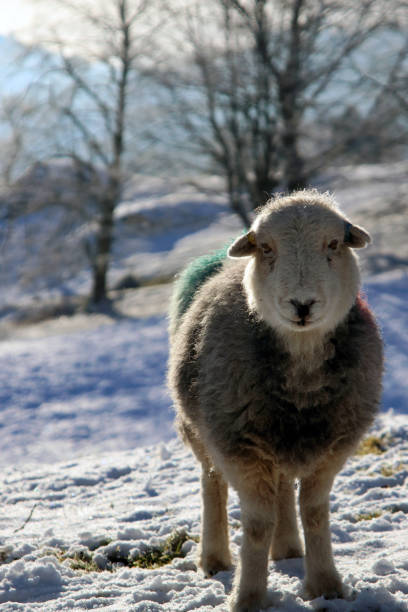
(74, 530)
(94, 483)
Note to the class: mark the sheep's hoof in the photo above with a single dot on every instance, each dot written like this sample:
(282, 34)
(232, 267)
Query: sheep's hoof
(290, 552)
(329, 587)
(211, 565)
(251, 602)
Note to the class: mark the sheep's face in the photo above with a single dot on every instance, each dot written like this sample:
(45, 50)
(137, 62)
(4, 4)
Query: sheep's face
(303, 274)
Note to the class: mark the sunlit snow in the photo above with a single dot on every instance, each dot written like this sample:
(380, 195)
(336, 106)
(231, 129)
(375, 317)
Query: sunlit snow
(91, 464)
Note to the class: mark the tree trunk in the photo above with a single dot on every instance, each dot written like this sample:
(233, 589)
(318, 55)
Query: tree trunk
(239, 209)
(235, 201)
(103, 249)
(290, 88)
(294, 167)
(106, 226)
(263, 189)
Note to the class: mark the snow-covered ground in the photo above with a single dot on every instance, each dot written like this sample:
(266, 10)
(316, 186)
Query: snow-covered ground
(115, 506)
(93, 477)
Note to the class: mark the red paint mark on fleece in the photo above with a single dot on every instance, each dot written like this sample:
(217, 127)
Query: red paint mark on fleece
(364, 310)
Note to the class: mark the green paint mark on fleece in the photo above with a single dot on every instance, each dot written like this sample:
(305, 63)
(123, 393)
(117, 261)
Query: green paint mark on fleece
(191, 279)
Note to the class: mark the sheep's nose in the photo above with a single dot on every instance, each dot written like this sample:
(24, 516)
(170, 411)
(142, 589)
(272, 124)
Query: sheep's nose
(302, 308)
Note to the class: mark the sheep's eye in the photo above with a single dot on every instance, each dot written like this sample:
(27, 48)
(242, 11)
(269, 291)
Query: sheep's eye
(333, 245)
(266, 248)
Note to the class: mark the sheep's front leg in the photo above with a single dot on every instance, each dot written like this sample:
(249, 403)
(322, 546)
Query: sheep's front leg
(258, 522)
(286, 541)
(321, 575)
(214, 555)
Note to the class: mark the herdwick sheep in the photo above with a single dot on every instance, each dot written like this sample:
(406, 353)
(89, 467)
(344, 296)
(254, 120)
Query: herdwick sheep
(275, 369)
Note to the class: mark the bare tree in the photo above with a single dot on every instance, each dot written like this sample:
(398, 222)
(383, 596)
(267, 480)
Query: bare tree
(373, 126)
(262, 77)
(92, 81)
(23, 138)
(226, 105)
(22, 143)
(13, 141)
(395, 83)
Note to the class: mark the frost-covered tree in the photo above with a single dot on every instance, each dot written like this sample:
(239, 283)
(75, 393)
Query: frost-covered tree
(94, 80)
(263, 80)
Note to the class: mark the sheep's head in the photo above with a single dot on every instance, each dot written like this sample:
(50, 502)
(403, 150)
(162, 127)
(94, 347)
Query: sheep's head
(303, 274)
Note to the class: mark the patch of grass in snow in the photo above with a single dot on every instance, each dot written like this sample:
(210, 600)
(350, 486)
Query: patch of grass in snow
(402, 507)
(80, 560)
(83, 561)
(376, 445)
(5, 552)
(368, 516)
(152, 557)
(157, 556)
(99, 543)
(389, 470)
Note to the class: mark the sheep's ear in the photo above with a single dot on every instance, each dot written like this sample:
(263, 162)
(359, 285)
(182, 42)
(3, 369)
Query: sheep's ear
(243, 246)
(355, 237)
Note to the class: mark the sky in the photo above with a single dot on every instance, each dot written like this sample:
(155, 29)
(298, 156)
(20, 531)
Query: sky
(26, 20)
(17, 17)
(23, 18)
(47, 21)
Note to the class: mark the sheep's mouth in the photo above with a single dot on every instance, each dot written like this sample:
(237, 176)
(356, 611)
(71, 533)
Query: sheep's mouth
(302, 324)
(306, 321)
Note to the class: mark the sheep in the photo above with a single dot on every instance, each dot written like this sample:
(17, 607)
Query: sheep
(275, 369)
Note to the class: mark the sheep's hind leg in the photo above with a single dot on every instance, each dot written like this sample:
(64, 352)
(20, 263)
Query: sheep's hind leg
(321, 575)
(286, 542)
(214, 553)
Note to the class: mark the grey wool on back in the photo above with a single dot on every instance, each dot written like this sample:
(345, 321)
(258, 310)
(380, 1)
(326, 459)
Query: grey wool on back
(276, 378)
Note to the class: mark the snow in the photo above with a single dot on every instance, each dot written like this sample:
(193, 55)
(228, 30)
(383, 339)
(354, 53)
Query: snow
(96, 389)
(388, 299)
(136, 499)
(92, 469)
